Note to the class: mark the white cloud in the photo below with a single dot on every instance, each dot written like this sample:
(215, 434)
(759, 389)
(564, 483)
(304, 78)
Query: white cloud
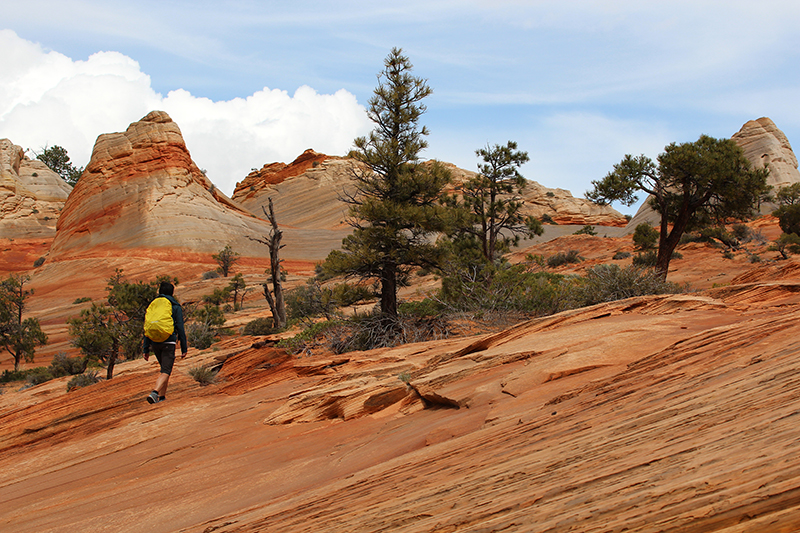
(47, 98)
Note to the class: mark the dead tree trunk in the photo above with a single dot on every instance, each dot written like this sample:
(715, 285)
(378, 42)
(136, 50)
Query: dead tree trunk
(275, 296)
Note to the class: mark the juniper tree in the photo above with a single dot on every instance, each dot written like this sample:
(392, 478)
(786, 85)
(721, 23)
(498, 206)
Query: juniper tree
(395, 209)
(695, 184)
(18, 336)
(57, 159)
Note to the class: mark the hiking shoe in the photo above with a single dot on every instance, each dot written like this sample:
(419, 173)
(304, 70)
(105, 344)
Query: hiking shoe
(153, 397)
(162, 398)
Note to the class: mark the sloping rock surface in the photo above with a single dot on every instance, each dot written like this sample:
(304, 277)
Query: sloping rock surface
(141, 190)
(307, 194)
(31, 195)
(653, 414)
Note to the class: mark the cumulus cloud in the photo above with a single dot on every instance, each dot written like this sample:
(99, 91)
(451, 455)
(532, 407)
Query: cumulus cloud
(47, 98)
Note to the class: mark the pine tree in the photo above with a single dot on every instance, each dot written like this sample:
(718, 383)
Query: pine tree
(396, 207)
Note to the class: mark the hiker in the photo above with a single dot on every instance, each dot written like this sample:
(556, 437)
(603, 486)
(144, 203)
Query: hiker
(163, 328)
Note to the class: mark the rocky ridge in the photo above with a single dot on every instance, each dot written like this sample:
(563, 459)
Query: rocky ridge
(306, 193)
(31, 195)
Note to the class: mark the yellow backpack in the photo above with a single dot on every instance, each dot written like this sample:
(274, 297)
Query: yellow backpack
(158, 323)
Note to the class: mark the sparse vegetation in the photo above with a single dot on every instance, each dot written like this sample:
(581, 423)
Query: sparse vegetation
(83, 380)
(226, 258)
(586, 230)
(259, 326)
(39, 262)
(203, 375)
(645, 237)
(563, 258)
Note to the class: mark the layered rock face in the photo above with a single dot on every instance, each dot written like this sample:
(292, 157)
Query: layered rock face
(141, 189)
(307, 192)
(31, 195)
(764, 144)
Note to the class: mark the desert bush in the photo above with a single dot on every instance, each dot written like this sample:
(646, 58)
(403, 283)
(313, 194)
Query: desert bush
(727, 254)
(742, 232)
(586, 230)
(200, 335)
(81, 300)
(64, 365)
(259, 326)
(502, 289)
(606, 283)
(645, 237)
(37, 376)
(211, 274)
(203, 375)
(366, 332)
(621, 255)
(755, 258)
(547, 219)
(83, 380)
(645, 259)
(563, 258)
(39, 262)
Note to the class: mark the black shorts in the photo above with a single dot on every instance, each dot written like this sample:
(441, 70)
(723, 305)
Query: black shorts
(165, 353)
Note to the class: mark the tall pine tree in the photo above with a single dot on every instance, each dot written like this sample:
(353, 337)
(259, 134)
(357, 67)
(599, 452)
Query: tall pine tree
(395, 209)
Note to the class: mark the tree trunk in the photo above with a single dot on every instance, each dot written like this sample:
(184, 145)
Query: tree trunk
(389, 289)
(275, 300)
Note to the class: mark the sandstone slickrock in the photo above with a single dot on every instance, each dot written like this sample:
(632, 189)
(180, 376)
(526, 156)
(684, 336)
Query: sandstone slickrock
(307, 193)
(141, 190)
(764, 144)
(653, 414)
(31, 195)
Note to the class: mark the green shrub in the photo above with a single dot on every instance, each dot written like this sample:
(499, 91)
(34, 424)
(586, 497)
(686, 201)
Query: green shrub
(203, 375)
(423, 308)
(789, 218)
(755, 258)
(563, 258)
(200, 335)
(727, 254)
(547, 219)
(39, 262)
(83, 380)
(64, 365)
(742, 232)
(13, 375)
(211, 274)
(645, 259)
(259, 326)
(621, 255)
(81, 300)
(586, 230)
(645, 237)
(37, 376)
(606, 283)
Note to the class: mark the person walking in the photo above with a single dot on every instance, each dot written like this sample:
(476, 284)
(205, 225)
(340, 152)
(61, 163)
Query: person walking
(163, 346)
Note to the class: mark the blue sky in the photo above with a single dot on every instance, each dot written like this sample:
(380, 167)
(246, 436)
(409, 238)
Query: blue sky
(578, 84)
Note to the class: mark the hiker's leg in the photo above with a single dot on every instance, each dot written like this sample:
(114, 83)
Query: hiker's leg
(161, 384)
(165, 353)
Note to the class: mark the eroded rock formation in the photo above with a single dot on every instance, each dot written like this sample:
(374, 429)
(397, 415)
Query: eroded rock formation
(31, 195)
(307, 193)
(141, 189)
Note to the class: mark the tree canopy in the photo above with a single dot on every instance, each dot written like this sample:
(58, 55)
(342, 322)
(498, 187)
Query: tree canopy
(695, 184)
(18, 336)
(493, 203)
(57, 159)
(396, 207)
